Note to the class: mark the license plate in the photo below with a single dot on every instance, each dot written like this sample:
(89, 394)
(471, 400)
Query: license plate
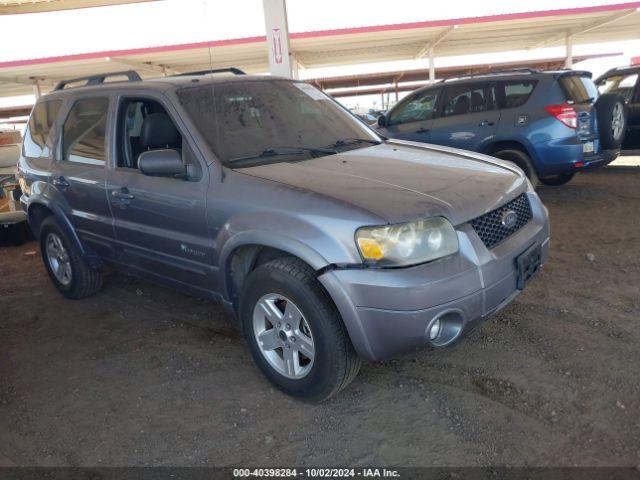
(587, 147)
(528, 263)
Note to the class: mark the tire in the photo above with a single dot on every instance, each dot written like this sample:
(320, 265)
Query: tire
(522, 160)
(81, 280)
(288, 284)
(556, 180)
(612, 120)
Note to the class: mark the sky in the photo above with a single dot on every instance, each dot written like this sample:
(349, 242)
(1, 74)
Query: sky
(184, 21)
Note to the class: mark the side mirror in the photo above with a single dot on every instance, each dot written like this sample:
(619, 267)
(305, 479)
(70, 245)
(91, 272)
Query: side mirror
(382, 120)
(162, 163)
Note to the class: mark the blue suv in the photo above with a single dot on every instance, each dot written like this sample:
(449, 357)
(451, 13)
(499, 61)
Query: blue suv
(551, 124)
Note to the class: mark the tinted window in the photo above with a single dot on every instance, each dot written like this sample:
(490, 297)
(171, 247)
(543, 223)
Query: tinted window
(578, 89)
(245, 118)
(83, 135)
(516, 93)
(463, 99)
(37, 132)
(621, 84)
(418, 107)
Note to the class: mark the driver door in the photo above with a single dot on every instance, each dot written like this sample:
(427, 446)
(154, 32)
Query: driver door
(412, 119)
(160, 222)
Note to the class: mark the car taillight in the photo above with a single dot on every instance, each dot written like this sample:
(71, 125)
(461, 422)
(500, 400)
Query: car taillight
(565, 113)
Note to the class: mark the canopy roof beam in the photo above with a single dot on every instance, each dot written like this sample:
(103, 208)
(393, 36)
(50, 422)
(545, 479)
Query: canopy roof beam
(29, 81)
(144, 66)
(429, 47)
(584, 29)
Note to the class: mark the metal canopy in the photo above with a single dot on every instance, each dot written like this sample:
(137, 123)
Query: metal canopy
(462, 36)
(408, 80)
(11, 7)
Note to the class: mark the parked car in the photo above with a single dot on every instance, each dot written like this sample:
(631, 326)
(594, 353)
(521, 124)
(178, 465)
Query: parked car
(13, 221)
(368, 118)
(624, 81)
(544, 122)
(326, 242)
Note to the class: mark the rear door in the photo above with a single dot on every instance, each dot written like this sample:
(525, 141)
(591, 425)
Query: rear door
(467, 116)
(412, 118)
(78, 176)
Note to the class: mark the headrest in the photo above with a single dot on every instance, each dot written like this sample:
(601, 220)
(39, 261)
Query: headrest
(477, 101)
(158, 131)
(462, 105)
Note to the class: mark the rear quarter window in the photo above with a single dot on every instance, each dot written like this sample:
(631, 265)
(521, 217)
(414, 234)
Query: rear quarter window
(578, 89)
(515, 93)
(37, 132)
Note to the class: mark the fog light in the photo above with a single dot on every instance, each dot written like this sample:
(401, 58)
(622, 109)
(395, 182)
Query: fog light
(434, 331)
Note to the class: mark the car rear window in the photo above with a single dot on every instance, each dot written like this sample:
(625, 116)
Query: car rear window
(38, 128)
(578, 89)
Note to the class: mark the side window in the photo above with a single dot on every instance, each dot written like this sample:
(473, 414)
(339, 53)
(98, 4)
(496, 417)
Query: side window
(83, 133)
(144, 125)
(463, 99)
(622, 84)
(420, 107)
(39, 127)
(516, 93)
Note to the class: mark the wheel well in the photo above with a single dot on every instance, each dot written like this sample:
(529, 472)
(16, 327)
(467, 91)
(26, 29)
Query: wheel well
(506, 145)
(512, 145)
(243, 261)
(37, 214)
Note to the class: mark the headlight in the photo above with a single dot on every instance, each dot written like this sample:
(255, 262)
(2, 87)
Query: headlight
(407, 243)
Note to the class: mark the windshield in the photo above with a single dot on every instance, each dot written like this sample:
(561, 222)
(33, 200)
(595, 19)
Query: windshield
(254, 118)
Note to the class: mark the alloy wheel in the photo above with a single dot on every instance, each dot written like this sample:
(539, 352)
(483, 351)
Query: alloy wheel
(617, 123)
(283, 336)
(58, 259)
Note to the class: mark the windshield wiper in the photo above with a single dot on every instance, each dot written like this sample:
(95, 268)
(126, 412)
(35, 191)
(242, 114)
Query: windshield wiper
(277, 151)
(350, 141)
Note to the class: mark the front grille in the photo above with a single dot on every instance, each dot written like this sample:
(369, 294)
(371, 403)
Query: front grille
(490, 228)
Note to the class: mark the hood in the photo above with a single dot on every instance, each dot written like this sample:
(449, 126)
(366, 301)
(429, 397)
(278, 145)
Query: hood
(401, 181)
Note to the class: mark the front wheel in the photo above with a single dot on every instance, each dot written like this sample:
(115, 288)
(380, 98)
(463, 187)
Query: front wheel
(294, 331)
(556, 180)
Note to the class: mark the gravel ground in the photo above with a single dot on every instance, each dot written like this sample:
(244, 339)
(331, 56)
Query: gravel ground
(141, 375)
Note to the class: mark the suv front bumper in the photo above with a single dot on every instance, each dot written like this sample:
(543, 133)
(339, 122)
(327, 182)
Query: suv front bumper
(389, 311)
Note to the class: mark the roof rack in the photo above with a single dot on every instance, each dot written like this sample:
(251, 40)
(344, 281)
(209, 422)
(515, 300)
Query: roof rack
(497, 72)
(234, 70)
(99, 79)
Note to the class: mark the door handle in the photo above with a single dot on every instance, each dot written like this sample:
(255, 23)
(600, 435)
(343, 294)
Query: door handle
(486, 123)
(422, 130)
(60, 182)
(123, 194)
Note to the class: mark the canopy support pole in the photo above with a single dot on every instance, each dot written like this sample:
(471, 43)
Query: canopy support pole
(277, 28)
(36, 89)
(432, 67)
(568, 61)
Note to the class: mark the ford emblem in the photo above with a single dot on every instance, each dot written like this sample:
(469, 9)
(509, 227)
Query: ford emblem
(508, 219)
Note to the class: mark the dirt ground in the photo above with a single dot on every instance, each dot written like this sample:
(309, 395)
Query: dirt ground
(141, 375)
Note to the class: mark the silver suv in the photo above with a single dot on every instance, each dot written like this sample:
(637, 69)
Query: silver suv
(327, 242)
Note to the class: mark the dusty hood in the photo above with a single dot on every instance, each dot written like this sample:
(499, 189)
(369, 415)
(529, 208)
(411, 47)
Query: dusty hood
(401, 181)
